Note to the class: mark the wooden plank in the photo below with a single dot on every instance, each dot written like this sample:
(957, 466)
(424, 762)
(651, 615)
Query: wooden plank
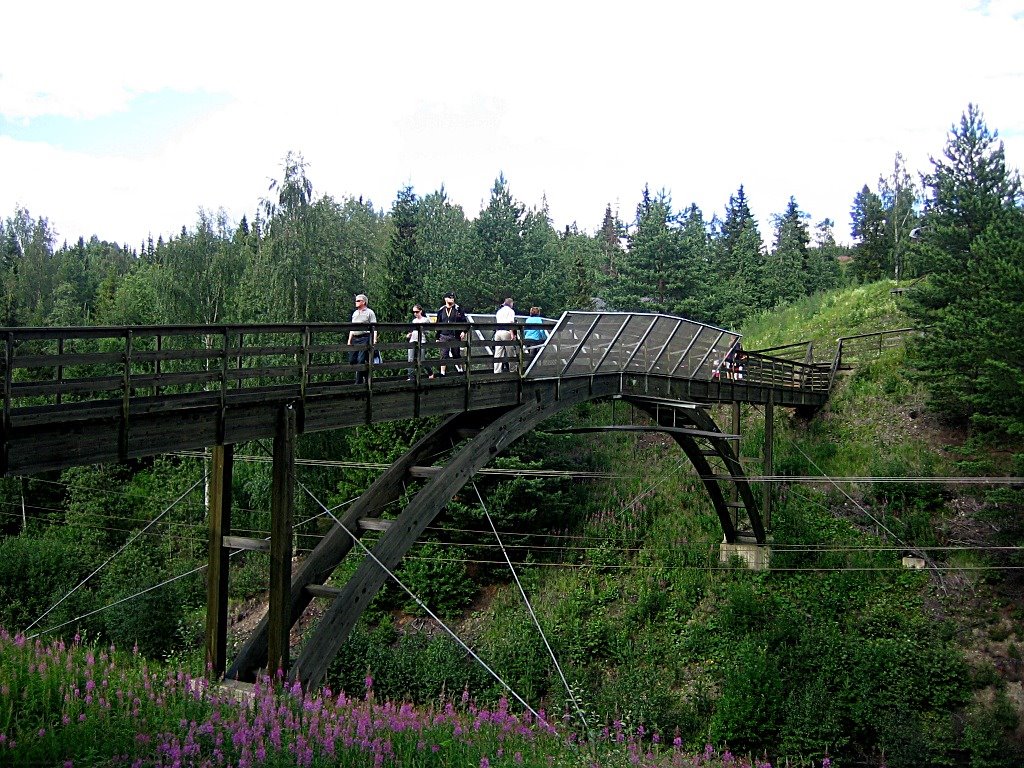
(66, 386)
(320, 590)
(67, 358)
(424, 472)
(374, 524)
(247, 543)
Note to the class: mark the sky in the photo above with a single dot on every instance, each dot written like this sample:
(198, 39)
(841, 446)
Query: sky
(124, 119)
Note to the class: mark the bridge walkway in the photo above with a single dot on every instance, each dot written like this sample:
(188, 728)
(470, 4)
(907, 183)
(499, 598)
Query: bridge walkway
(76, 396)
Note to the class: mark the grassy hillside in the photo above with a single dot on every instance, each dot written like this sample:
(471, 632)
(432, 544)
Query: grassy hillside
(825, 317)
(837, 650)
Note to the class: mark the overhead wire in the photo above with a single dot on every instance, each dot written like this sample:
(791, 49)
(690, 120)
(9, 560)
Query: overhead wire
(118, 552)
(533, 615)
(356, 540)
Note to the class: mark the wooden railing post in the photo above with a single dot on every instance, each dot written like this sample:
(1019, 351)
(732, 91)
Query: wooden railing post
(217, 568)
(282, 503)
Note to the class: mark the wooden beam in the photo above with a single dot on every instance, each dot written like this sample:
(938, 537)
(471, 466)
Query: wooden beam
(321, 590)
(217, 569)
(282, 505)
(768, 468)
(374, 523)
(734, 495)
(639, 428)
(247, 543)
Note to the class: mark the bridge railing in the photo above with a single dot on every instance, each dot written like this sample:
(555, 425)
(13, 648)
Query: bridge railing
(73, 366)
(590, 343)
(45, 367)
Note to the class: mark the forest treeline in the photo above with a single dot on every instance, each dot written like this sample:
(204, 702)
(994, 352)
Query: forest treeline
(301, 257)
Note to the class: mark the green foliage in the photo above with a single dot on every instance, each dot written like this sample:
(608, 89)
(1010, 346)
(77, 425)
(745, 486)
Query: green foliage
(404, 665)
(437, 576)
(974, 246)
(989, 734)
(37, 573)
(748, 714)
(151, 620)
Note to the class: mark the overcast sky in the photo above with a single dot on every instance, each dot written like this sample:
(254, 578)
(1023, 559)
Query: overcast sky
(123, 119)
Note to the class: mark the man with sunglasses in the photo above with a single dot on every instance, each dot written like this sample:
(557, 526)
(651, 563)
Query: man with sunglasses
(357, 337)
(450, 312)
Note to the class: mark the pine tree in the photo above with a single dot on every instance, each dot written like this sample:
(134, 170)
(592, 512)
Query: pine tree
(870, 254)
(738, 263)
(609, 237)
(500, 249)
(785, 278)
(971, 228)
(647, 272)
(690, 289)
(401, 276)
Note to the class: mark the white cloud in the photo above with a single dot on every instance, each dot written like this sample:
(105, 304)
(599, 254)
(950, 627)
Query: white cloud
(581, 102)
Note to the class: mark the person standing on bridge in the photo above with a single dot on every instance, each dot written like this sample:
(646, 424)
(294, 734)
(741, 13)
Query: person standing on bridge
(356, 337)
(417, 338)
(534, 337)
(450, 313)
(504, 354)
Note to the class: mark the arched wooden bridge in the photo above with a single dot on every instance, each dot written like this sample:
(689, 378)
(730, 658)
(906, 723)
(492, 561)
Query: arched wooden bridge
(77, 396)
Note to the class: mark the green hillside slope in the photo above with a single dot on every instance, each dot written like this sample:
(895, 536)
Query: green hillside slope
(838, 649)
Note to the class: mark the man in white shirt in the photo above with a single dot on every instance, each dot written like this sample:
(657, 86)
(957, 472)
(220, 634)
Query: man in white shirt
(505, 314)
(357, 337)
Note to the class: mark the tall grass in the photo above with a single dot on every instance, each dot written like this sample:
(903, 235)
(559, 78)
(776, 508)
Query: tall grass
(79, 705)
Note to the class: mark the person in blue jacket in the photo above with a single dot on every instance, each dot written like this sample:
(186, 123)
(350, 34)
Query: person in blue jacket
(534, 337)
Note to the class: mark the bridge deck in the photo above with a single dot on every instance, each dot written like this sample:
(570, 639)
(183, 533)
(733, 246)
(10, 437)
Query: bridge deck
(77, 396)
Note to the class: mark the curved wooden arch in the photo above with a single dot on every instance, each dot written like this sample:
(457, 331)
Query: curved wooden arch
(491, 432)
(317, 567)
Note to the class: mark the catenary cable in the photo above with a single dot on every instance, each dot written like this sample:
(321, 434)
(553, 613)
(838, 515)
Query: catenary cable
(421, 604)
(118, 552)
(533, 615)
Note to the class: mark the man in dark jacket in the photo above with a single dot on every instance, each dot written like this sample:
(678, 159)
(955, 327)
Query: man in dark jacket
(450, 312)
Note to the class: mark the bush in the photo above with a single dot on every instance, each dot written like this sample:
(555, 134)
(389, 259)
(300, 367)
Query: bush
(149, 620)
(35, 573)
(437, 576)
(404, 666)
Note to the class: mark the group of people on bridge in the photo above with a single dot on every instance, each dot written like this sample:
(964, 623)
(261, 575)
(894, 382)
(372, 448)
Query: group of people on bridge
(450, 318)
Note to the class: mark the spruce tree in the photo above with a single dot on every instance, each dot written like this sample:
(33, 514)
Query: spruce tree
(401, 275)
(500, 250)
(971, 222)
(738, 263)
(870, 254)
(647, 272)
(785, 279)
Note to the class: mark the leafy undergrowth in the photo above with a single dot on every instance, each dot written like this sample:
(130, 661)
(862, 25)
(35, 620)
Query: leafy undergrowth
(80, 705)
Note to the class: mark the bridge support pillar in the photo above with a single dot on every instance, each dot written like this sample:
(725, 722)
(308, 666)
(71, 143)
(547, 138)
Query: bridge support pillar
(757, 557)
(217, 570)
(769, 459)
(734, 494)
(282, 505)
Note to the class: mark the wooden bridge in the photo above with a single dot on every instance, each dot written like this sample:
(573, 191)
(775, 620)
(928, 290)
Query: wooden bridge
(76, 396)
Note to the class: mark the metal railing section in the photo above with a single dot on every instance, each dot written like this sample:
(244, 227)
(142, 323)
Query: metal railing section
(592, 343)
